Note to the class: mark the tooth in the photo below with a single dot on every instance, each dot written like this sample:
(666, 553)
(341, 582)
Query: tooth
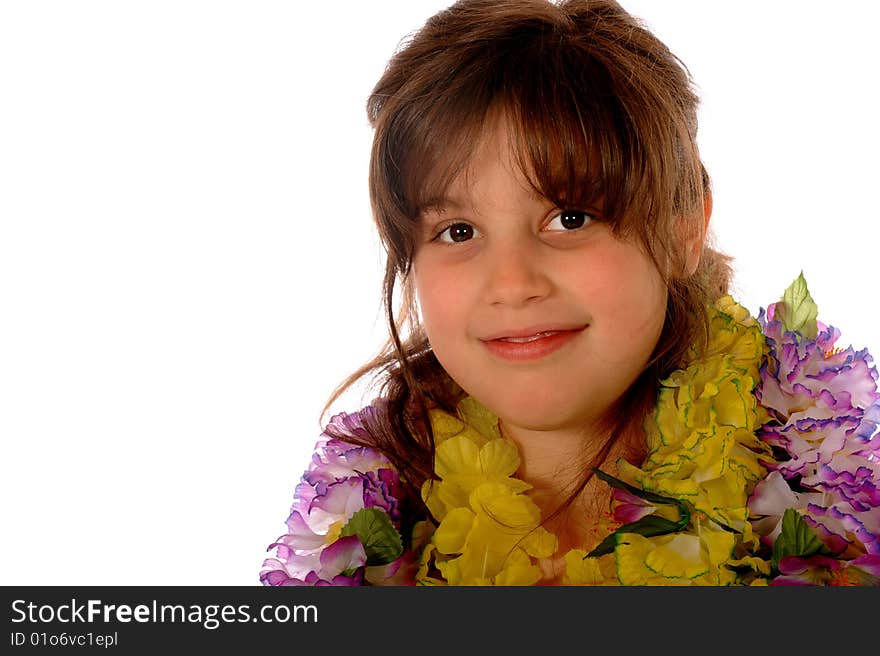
(521, 340)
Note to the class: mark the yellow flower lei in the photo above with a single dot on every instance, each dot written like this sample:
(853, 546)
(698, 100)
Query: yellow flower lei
(702, 451)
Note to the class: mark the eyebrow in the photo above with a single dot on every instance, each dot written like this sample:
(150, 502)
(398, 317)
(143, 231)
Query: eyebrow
(439, 203)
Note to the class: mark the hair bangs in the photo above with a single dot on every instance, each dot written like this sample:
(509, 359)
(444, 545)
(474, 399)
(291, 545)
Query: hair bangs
(573, 140)
(574, 143)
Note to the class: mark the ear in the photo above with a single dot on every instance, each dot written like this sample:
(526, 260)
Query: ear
(695, 243)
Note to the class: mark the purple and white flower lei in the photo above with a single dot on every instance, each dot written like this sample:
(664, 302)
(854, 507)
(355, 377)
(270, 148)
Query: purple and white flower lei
(341, 479)
(826, 409)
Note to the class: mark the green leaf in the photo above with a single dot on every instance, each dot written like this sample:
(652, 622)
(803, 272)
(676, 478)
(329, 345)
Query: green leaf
(795, 539)
(650, 525)
(642, 494)
(797, 311)
(381, 540)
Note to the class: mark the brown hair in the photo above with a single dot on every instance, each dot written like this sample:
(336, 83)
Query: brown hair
(598, 108)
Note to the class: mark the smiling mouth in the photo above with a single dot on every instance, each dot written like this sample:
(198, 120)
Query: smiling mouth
(532, 347)
(531, 333)
(520, 340)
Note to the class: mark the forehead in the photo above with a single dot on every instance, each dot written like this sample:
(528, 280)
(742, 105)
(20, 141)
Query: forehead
(493, 161)
(551, 166)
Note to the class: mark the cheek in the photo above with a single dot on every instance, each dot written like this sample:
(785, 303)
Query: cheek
(438, 299)
(625, 291)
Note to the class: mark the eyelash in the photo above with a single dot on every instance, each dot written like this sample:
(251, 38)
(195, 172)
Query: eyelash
(590, 218)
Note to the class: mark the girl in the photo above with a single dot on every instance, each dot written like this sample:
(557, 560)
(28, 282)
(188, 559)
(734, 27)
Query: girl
(568, 394)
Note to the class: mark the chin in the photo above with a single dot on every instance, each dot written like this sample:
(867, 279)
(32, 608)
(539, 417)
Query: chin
(542, 415)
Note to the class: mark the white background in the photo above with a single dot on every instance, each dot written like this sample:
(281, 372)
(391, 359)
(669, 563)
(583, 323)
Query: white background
(188, 265)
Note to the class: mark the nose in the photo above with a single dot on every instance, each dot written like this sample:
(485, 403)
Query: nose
(516, 273)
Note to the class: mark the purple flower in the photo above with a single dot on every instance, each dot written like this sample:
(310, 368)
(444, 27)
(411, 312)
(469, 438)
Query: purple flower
(769, 500)
(825, 410)
(342, 479)
(382, 489)
(629, 508)
(824, 570)
(801, 374)
(341, 563)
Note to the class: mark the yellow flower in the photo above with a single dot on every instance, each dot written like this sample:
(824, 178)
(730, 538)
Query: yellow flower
(580, 570)
(489, 531)
(702, 450)
(463, 466)
(677, 558)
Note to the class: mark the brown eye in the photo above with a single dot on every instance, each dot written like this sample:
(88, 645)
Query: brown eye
(572, 219)
(458, 232)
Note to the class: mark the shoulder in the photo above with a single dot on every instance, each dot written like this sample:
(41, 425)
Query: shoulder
(345, 484)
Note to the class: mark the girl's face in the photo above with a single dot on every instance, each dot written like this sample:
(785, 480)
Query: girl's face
(502, 262)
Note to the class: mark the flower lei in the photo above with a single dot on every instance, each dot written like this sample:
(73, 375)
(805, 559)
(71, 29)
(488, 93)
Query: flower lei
(763, 467)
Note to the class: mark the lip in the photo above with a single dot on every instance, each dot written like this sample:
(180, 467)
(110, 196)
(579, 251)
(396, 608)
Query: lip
(533, 330)
(539, 348)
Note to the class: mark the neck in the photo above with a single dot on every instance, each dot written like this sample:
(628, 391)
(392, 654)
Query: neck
(554, 462)
(547, 457)
(551, 459)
